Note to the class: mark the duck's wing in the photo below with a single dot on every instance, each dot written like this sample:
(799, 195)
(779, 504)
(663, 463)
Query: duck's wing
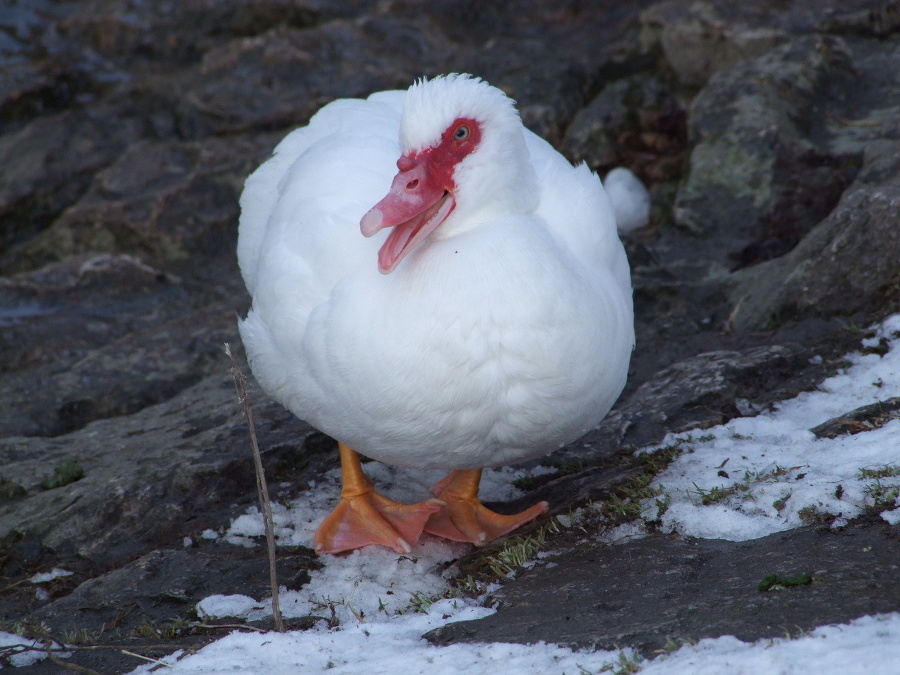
(325, 175)
(299, 233)
(577, 212)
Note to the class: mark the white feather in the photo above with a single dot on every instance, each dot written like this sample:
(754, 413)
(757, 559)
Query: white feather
(630, 199)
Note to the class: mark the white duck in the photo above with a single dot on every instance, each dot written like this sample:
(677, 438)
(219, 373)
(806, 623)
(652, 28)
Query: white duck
(480, 314)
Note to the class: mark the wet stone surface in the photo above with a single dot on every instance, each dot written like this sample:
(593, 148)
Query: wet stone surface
(767, 135)
(659, 591)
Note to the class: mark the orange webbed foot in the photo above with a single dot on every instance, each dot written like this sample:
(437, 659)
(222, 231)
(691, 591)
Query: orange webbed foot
(464, 518)
(373, 519)
(364, 517)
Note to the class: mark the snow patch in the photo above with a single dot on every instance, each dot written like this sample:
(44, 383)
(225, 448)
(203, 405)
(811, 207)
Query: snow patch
(55, 573)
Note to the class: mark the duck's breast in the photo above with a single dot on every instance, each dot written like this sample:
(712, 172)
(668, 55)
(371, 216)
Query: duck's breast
(483, 350)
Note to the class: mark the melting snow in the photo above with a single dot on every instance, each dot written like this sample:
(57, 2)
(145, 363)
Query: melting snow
(758, 475)
(55, 573)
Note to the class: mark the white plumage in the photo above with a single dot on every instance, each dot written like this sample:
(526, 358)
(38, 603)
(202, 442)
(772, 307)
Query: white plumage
(629, 198)
(501, 337)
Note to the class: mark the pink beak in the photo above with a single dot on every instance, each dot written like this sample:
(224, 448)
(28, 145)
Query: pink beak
(415, 206)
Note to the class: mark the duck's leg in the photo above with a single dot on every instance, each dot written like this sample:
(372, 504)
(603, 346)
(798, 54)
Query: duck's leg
(363, 517)
(465, 518)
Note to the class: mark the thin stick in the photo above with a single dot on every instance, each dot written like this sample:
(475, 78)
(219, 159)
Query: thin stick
(65, 664)
(146, 658)
(261, 487)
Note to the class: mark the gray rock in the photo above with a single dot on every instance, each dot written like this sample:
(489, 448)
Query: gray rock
(847, 264)
(796, 124)
(591, 136)
(150, 478)
(99, 335)
(43, 71)
(701, 38)
(179, 32)
(861, 419)
(762, 169)
(162, 201)
(637, 122)
(279, 79)
(35, 185)
(500, 42)
(63, 312)
(659, 591)
(696, 393)
(162, 584)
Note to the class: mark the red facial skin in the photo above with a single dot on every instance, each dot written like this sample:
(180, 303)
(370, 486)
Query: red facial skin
(422, 193)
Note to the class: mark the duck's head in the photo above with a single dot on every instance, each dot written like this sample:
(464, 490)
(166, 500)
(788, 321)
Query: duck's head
(463, 162)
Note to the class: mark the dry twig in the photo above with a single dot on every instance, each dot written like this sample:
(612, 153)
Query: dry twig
(145, 658)
(261, 487)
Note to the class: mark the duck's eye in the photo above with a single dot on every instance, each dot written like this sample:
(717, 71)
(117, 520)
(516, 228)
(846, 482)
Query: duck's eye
(462, 133)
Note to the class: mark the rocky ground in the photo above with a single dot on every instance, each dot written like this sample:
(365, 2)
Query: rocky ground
(768, 133)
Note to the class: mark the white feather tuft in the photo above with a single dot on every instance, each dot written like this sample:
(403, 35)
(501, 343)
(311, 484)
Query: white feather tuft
(630, 199)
